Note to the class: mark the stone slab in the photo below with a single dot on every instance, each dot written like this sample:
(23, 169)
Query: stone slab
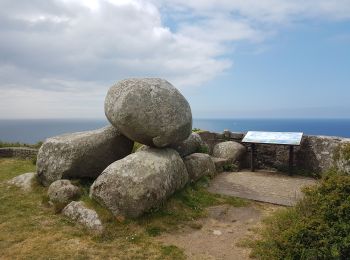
(271, 187)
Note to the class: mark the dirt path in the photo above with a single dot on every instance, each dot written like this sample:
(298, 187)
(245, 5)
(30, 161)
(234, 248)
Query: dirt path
(218, 235)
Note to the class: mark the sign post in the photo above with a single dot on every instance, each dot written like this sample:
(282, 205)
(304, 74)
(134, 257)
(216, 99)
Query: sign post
(278, 138)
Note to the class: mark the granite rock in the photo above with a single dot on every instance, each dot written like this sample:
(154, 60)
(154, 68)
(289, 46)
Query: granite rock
(78, 212)
(150, 111)
(230, 150)
(83, 154)
(139, 182)
(199, 165)
(62, 191)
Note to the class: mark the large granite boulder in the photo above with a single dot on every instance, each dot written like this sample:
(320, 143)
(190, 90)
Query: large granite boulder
(78, 212)
(140, 181)
(230, 150)
(199, 165)
(318, 154)
(82, 154)
(150, 111)
(62, 191)
(192, 144)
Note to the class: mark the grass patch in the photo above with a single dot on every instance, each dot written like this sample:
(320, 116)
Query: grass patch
(18, 144)
(230, 167)
(10, 168)
(29, 228)
(197, 130)
(172, 251)
(203, 149)
(136, 146)
(185, 206)
(317, 228)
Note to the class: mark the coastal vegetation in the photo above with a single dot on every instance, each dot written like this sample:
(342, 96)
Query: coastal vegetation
(318, 227)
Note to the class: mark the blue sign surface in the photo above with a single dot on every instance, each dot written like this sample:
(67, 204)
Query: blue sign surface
(259, 137)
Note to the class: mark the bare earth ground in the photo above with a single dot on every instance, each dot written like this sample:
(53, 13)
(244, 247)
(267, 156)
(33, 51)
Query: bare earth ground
(218, 236)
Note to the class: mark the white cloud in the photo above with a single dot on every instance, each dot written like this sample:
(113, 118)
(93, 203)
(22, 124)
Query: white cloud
(78, 48)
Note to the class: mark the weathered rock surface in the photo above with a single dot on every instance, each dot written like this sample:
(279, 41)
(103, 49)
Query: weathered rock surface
(342, 157)
(220, 163)
(230, 150)
(199, 165)
(77, 211)
(23, 181)
(150, 111)
(192, 144)
(140, 181)
(82, 154)
(317, 153)
(62, 191)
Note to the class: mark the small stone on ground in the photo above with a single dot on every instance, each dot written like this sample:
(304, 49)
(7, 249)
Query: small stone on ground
(23, 181)
(77, 211)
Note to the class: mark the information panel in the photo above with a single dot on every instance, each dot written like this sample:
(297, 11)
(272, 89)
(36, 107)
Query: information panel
(259, 137)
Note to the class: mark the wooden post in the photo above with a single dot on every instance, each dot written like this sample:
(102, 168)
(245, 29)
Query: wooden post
(252, 157)
(291, 159)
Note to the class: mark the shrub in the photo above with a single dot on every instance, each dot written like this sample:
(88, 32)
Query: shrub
(230, 167)
(317, 228)
(203, 149)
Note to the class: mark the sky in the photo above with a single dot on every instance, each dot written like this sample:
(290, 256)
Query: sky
(229, 58)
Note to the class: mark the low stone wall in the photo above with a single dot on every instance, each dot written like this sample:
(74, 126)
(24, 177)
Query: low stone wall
(18, 152)
(315, 154)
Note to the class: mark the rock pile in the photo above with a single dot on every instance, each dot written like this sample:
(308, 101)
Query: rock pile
(148, 111)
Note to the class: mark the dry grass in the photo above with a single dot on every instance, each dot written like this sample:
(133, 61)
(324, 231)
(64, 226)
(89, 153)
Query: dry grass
(29, 229)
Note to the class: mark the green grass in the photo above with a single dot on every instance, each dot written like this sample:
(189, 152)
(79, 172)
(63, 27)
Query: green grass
(10, 168)
(136, 146)
(203, 149)
(17, 144)
(29, 227)
(317, 228)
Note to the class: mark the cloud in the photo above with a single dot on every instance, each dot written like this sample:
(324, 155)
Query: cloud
(103, 41)
(78, 48)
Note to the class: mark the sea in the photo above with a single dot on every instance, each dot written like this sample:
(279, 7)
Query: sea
(34, 130)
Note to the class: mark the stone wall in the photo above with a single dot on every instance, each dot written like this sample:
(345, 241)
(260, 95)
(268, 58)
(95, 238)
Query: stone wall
(19, 152)
(315, 154)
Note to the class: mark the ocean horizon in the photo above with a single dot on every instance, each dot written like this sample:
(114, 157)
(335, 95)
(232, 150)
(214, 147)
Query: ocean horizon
(34, 130)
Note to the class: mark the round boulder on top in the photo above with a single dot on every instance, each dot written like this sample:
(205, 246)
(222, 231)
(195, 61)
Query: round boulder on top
(150, 111)
(230, 150)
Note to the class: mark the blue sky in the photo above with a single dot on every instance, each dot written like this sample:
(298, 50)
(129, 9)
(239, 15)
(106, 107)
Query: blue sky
(304, 71)
(230, 58)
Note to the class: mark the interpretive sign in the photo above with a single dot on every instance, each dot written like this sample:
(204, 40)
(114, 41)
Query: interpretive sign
(285, 138)
(282, 138)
